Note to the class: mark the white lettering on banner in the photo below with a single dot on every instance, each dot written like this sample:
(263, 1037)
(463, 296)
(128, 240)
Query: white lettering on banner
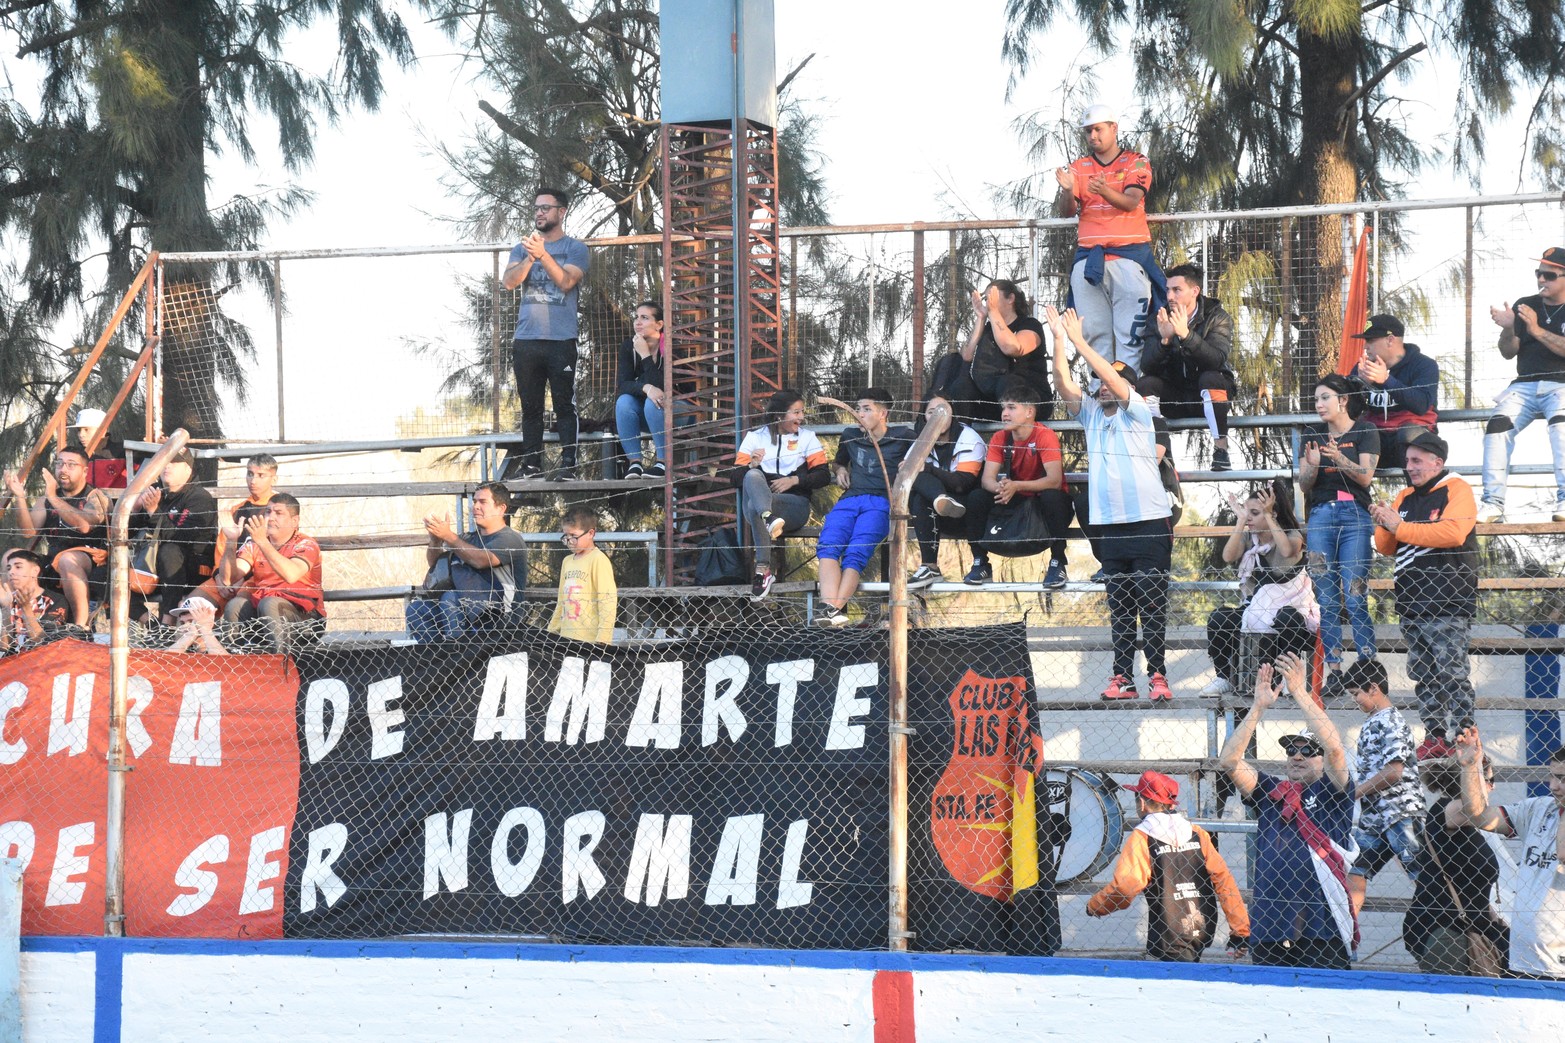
(138, 692)
(198, 733)
(732, 672)
(587, 700)
(70, 732)
(737, 865)
(17, 840)
(791, 891)
(12, 696)
(655, 721)
(202, 882)
(786, 676)
(259, 868)
(384, 742)
(68, 863)
(445, 851)
(578, 869)
(318, 742)
(326, 845)
(512, 878)
(843, 734)
(660, 859)
(502, 712)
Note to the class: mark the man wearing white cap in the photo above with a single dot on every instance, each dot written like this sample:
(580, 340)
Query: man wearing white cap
(106, 464)
(1115, 282)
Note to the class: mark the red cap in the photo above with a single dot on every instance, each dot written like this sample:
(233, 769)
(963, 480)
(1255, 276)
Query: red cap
(1156, 787)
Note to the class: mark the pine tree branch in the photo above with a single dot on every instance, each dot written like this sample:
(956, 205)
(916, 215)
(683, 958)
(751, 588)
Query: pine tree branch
(24, 5)
(597, 182)
(1385, 70)
(44, 43)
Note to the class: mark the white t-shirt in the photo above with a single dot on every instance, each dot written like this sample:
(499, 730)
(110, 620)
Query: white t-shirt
(784, 455)
(1538, 919)
(1123, 484)
(969, 450)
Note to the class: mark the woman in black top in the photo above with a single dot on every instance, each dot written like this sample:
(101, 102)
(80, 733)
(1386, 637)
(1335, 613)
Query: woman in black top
(1433, 930)
(641, 401)
(1006, 344)
(1336, 466)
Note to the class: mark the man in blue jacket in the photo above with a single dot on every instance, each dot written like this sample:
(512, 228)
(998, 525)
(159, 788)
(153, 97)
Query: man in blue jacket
(1403, 384)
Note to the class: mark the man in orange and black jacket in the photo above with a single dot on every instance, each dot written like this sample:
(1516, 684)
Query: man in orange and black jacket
(1429, 527)
(1175, 862)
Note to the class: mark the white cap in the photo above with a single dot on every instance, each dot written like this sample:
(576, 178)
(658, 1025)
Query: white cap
(1099, 113)
(190, 603)
(90, 418)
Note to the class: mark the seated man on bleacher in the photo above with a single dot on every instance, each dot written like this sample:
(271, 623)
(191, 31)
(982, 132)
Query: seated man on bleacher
(183, 517)
(31, 614)
(72, 518)
(106, 466)
(483, 569)
(280, 568)
(867, 460)
(1187, 369)
(1403, 385)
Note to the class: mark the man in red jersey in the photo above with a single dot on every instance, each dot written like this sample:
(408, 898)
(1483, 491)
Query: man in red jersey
(1115, 282)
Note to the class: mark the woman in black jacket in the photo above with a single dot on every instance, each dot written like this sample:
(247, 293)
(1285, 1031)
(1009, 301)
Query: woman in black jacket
(1455, 858)
(641, 401)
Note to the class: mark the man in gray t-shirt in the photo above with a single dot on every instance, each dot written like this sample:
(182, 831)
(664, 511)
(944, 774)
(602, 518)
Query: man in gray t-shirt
(484, 569)
(548, 266)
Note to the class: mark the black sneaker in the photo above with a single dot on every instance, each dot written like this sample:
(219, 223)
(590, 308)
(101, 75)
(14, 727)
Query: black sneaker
(1100, 576)
(1055, 578)
(565, 473)
(761, 584)
(774, 525)
(924, 576)
(1220, 460)
(633, 471)
(979, 574)
(657, 472)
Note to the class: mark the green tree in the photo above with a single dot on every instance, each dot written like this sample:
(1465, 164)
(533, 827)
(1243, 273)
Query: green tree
(1254, 103)
(110, 160)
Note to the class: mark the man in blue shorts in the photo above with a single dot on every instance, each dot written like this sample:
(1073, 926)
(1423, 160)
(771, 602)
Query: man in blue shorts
(867, 460)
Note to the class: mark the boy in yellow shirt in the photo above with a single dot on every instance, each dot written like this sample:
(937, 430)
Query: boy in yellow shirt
(589, 596)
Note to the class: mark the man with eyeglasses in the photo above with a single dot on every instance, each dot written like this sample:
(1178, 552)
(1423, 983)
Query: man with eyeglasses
(485, 569)
(1538, 921)
(1300, 911)
(72, 517)
(549, 267)
(1533, 333)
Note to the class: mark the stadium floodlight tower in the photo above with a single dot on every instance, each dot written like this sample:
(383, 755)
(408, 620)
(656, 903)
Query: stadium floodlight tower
(721, 267)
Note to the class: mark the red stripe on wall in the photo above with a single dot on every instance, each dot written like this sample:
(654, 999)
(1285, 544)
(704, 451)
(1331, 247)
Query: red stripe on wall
(894, 1007)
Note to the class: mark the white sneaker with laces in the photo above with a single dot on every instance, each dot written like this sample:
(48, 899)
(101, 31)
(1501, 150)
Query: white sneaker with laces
(1217, 686)
(1494, 512)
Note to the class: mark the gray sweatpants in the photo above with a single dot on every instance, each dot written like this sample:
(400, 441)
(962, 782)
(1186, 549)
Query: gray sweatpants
(1114, 313)
(1437, 663)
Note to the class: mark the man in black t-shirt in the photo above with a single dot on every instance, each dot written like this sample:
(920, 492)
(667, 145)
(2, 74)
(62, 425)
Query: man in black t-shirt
(1533, 333)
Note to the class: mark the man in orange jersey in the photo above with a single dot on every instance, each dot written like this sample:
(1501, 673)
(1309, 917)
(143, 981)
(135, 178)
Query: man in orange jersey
(1115, 282)
(1183, 876)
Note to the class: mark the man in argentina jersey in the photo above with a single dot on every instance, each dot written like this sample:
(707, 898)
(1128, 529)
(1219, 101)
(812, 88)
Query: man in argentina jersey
(1128, 506)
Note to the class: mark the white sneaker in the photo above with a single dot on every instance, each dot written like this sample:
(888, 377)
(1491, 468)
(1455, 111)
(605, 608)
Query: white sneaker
(1495, 512)
(1218, 686)
(1559, 510)
(949, 506)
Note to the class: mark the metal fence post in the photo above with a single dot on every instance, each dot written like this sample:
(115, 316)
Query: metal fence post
(277, 319)
(1467, 301)
(119, 678)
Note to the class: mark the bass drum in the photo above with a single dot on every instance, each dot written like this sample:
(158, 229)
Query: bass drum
(1082, 820)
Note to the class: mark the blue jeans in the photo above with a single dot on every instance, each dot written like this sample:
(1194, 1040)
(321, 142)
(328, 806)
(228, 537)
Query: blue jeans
(1399, 841)
(1339, 549)
(449, 617)
(632, 416)
(1519, 405)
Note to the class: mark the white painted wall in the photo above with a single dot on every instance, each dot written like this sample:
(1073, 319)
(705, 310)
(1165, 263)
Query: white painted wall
(334, 991)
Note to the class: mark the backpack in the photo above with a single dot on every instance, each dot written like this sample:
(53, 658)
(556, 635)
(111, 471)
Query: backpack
(720, 563)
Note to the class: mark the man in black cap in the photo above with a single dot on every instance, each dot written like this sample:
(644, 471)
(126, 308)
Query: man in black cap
(1429, 528)
(1403, 383)
(1533, 333)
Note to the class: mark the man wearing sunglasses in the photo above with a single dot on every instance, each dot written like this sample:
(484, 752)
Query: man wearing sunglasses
(1533, 333)
(1300, 911)
(549, 267)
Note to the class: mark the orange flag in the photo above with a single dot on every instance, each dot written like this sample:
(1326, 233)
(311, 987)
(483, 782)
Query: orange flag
(1356, 314)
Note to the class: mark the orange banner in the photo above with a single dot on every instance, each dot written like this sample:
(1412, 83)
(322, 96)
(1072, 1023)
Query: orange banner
(1356, 315)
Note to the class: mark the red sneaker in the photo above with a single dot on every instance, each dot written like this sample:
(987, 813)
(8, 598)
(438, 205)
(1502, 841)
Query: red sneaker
(1121, 687)
(1157, 688)
(1434, 747)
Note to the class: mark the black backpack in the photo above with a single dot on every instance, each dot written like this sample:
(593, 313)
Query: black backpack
(720, 563)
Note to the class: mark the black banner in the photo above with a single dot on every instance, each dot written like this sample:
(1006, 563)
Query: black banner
(722, 791)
